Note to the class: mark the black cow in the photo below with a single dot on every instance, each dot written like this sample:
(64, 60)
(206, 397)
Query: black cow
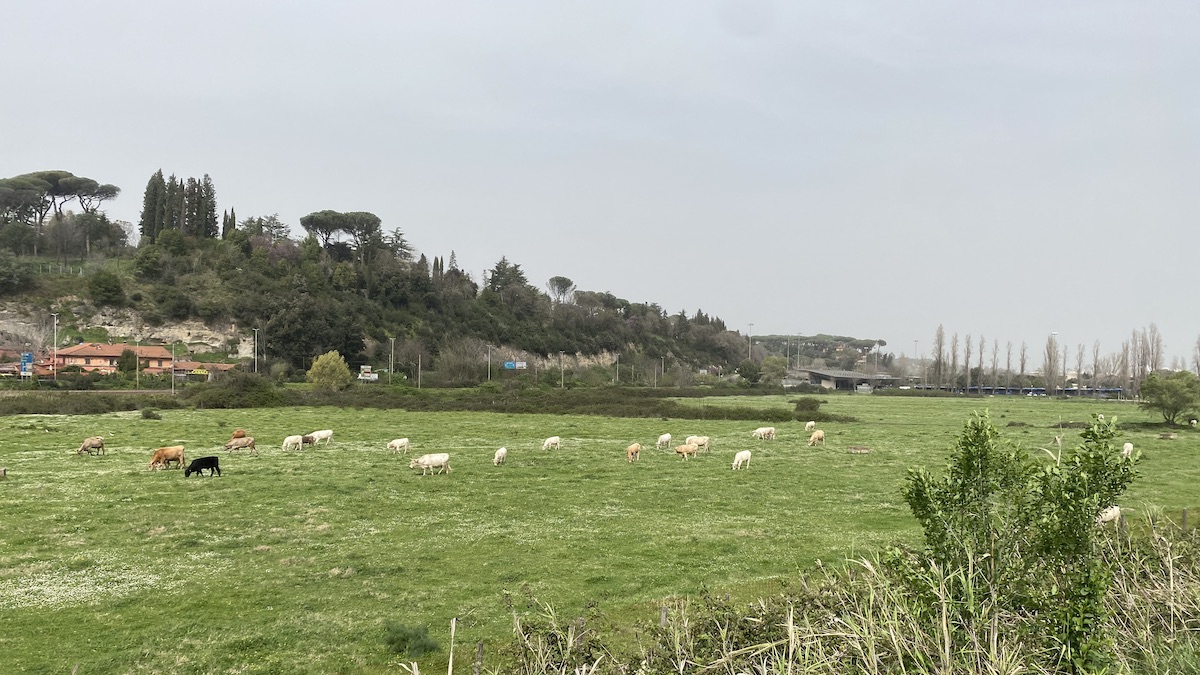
(198, 465)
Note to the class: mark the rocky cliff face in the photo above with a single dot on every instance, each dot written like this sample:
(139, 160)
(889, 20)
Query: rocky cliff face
(22, 325)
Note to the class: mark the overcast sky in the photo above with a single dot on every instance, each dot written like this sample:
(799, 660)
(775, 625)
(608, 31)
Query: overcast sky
(869, 169)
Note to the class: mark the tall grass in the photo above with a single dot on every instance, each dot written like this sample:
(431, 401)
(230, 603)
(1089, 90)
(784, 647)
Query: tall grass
(861, 617)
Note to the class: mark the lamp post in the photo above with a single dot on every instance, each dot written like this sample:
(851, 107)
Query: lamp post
(137, 362)
(54, 359)
(173, 363)
(391, 360)
(560, 370)
(255, 351)
(617, 377)
(750, 343)
(489, 362)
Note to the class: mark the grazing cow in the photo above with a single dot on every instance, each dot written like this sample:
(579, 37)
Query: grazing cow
(438, 460)
(212, 463)
(700, 442)
(296, 442)
(307, 439)
(809, 426)
(764, 433)
(322, 435)
(686, 451)
(552, 442)
(90, 444)
(500, 456)
(818, 436)
(664, 441)
(398, 444)
(161, 457)
(740, 459)
(632, 452)
(1127, 450)
(246, 442)
(238, 433)
(3, 472)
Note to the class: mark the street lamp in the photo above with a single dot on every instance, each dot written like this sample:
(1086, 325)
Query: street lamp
(54, 359)
(173, 363)
(137, 361)
(255, 350)
(489, 362)
(617, 377)
(392, 360)
(560, 370)
(750, 343)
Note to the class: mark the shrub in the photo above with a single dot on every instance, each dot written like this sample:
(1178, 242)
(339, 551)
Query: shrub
(150, 414)
(412, 641)
(330, 372)
(104, 288)
(236, 390)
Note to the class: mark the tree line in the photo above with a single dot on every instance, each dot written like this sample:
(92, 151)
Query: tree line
(36, 218)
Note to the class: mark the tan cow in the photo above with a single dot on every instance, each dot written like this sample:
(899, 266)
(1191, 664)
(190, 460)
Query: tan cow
(818, 436)
(686, 450)
(242, 442)
(164, 456)
(91, 443)
(632, 452)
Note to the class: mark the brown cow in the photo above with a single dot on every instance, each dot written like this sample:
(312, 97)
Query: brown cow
(164, 456)
(632, 452)
(238, 433)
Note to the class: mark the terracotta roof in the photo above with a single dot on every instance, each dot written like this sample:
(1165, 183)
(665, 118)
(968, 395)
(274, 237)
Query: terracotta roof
(111, 350)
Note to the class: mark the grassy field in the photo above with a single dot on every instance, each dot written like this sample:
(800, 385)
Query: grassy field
(293, 562)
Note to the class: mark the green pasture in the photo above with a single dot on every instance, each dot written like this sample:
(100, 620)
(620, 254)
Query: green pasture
(293, 562)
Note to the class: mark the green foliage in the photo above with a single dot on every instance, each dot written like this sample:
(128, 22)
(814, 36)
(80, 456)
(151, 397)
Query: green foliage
(150, 414)
(235, 390)
(750, 371)
(1173, 395)
(127, 362)
(329, 372)
(410, 641)
(14, 275)
(104, 288)
(1025, 533)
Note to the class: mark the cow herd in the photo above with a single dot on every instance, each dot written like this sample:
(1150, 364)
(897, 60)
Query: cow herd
(439, 462)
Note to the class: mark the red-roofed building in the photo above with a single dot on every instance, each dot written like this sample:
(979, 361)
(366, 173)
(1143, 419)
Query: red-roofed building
(95, 356)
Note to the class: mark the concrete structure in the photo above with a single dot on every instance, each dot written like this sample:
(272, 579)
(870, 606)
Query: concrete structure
(846, 380)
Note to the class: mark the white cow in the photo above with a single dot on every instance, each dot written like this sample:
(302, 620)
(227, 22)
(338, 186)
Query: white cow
(438, 460)
(552, 442)
(322, 435)
(293, 442)
(809, 426)
(501, 455)
(664, 441)
(1110, 515)
(398, 445)
(740, 459)
(764, 433)
(1127, 450)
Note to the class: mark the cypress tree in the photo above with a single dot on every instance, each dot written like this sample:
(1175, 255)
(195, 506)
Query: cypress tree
(152, 206)
(208, 208)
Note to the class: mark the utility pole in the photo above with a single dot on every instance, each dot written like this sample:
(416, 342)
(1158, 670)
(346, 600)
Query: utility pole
(392, 360)
(137, 362)
(750, 343)
(173, 364)
(255, 352)
(560, 370)
(54, 360)
(617, 377)
(489, 362)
